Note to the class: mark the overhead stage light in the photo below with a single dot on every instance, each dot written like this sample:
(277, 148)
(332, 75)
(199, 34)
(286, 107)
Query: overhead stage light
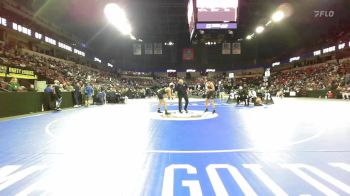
(249, 37)
(117, 18)
(278, 16)
(259, 29)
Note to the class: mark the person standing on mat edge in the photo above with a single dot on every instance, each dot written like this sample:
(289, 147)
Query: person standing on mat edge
(168, 91)
(210, 95)
(182, 92)
(89, 92)
(57, 95)
(77, 94)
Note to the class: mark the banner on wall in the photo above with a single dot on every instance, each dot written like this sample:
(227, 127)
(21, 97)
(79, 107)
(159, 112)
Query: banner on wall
(158, 48)
(148, 48)
(187, 54)
(3, 71)
(226, 48)
(21, 73)
(137, 49)
(236, 48)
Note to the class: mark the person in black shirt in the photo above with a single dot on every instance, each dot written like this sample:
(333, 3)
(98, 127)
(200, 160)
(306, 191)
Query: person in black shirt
(77, 94)
(243, 95)
(57, 95)
(182, 92)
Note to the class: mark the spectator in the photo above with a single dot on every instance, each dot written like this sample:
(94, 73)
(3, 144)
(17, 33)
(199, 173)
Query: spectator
(3, 85)
(77, 94)
(13, 86)
(89, 92)
(101, 97)
(48, 89)
(48, 96)
(330, 95)
(57, 95)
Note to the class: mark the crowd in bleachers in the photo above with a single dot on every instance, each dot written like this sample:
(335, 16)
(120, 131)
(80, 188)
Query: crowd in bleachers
(324, 76)
(68, 74)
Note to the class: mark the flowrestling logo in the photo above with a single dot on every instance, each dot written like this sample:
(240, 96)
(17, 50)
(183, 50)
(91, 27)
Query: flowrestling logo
(250, 179)
(324, 13)
(310, 178)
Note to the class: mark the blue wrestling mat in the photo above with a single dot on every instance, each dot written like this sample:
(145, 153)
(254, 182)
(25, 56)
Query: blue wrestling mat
(294, 147)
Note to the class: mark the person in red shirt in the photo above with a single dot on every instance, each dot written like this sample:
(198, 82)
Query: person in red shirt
(330, 95)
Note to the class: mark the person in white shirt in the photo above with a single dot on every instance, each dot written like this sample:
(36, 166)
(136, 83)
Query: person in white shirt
(251, 96)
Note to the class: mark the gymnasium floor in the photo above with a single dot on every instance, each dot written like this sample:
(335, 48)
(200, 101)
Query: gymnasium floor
(294, 147)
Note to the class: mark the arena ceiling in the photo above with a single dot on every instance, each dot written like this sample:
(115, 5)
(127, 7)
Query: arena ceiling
(165, 20)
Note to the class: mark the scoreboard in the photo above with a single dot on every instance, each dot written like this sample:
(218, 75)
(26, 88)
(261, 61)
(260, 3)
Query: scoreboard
(216, 10)
(212, 14)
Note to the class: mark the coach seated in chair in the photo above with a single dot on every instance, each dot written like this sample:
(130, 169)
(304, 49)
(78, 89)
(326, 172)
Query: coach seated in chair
(267, 96)
(111, 96)
(232, 97)
(345, 93)
(252, 96)
(101, 97)
(242, 96)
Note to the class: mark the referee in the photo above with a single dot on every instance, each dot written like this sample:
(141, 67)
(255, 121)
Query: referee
(182, 92)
